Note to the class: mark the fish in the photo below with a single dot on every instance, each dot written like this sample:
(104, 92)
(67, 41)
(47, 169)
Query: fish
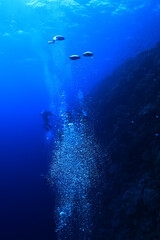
(74, 57)
(87, 54)
(50, 42)
(58, 38)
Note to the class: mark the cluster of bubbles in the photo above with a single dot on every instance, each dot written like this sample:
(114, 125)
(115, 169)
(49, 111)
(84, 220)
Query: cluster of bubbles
(75, 172)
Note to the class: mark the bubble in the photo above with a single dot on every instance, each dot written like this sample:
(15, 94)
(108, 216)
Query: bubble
(156, 134)
(76, 169)
(62, 214)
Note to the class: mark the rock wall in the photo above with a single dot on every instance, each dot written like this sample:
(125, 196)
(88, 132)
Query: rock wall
(127, 123)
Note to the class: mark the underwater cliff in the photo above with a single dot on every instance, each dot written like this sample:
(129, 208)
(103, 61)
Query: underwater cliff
(127, 112)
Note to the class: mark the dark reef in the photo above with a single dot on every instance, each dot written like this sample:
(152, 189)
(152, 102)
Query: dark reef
(127, 123)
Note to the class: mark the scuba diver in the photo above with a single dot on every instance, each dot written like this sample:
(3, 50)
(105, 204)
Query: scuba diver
(46, 117)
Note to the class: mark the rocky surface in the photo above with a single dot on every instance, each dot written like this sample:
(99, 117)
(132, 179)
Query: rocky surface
(127, 123)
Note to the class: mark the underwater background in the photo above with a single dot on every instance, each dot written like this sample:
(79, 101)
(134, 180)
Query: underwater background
(95, 174)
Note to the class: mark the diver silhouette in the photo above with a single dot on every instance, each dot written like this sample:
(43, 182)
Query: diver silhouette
(46, 117)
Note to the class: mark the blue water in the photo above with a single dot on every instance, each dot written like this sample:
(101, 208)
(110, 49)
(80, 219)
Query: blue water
(36, 76)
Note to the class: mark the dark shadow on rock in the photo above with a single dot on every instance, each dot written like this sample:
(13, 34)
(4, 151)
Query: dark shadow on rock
(127, 121)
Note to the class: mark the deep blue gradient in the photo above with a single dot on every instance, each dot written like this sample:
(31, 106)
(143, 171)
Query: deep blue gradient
(33, 75)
